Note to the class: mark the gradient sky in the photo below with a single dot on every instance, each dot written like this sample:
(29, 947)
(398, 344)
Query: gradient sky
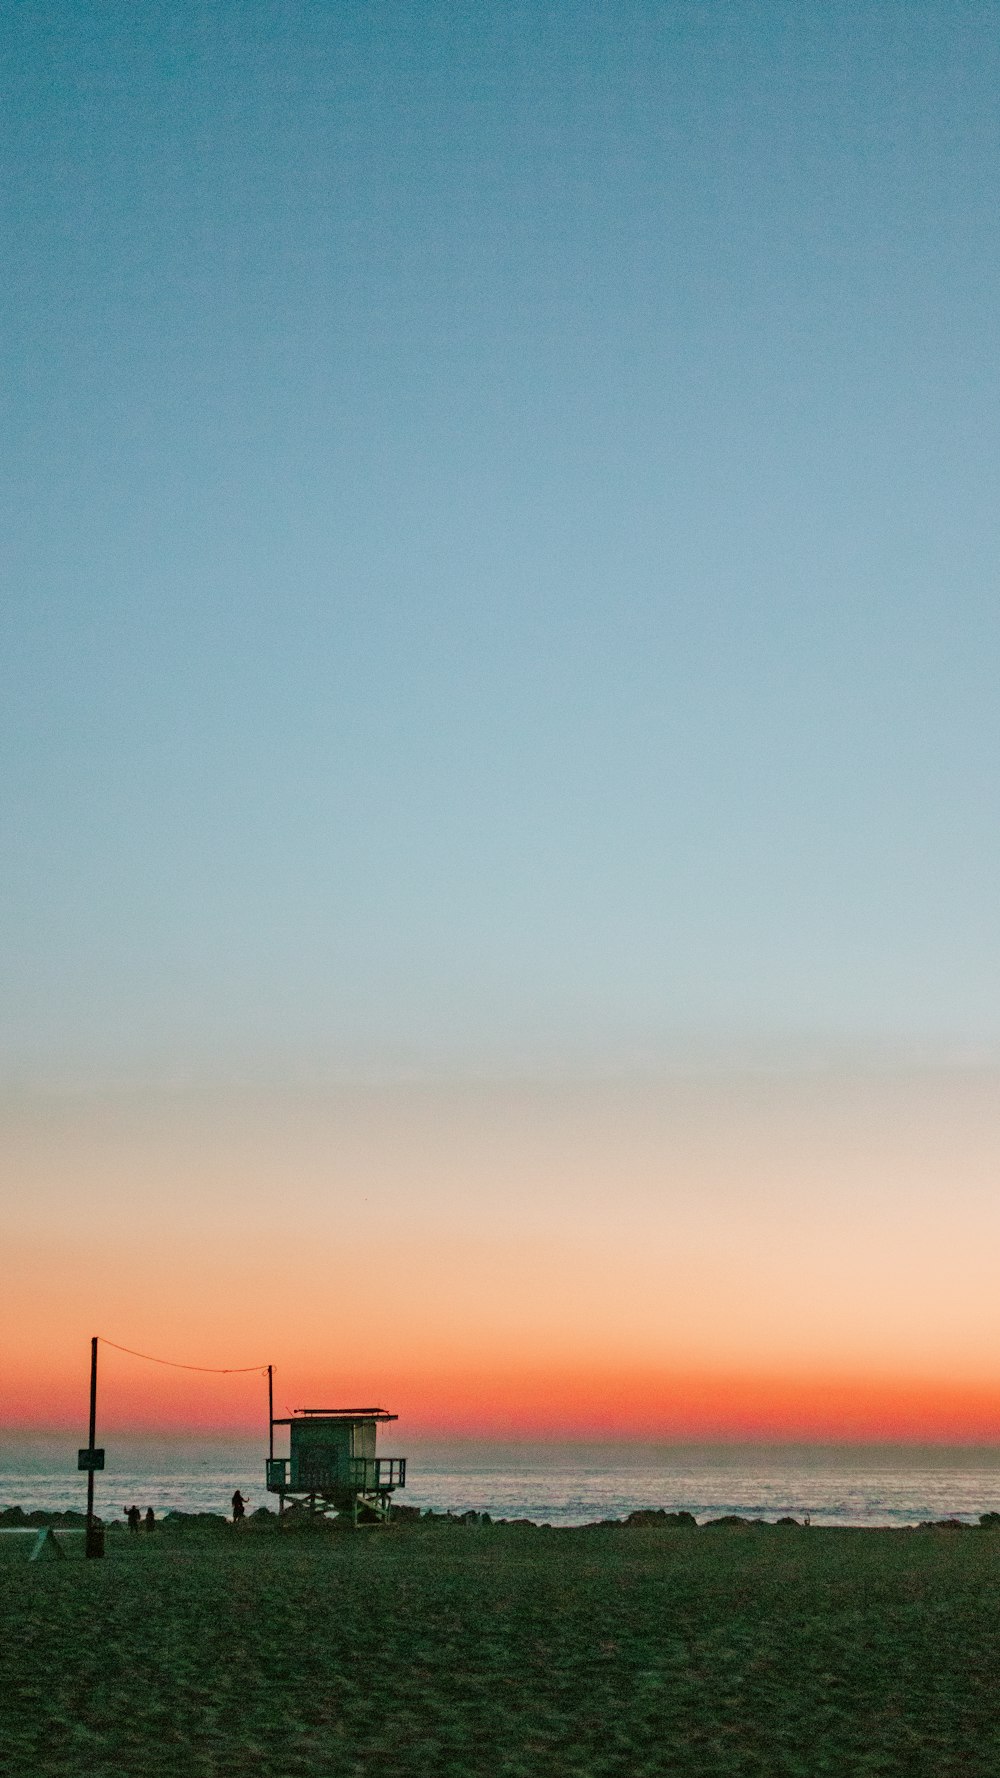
(498, 707)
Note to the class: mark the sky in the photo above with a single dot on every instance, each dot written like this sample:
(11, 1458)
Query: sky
(498, 719)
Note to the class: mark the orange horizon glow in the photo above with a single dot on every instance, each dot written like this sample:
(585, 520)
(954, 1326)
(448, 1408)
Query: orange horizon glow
(689, 1259)
(681, 1408)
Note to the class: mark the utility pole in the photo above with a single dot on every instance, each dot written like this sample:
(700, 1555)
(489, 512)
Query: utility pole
(270, 1410)
(90, 1460)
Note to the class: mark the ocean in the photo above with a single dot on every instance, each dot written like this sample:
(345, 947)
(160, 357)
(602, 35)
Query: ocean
(555, 1484)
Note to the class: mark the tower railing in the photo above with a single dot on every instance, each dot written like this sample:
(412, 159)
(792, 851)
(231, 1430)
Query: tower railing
(366, 1475)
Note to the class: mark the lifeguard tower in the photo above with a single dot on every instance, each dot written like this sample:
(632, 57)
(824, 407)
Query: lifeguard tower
(332, 1466)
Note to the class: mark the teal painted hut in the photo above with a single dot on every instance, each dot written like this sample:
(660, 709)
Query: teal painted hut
(332, 1464)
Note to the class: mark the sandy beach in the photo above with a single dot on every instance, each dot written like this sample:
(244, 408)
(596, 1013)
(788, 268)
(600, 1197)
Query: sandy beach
(437, 1648)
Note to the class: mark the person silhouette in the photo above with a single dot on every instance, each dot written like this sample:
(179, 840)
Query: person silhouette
(239, 1507)
(150, 1519)
(133, 1516)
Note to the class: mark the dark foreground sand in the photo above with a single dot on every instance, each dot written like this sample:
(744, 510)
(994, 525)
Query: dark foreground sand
(450, 1649)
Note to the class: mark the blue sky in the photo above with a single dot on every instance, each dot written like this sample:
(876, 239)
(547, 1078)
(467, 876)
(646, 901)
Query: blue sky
(500, 530)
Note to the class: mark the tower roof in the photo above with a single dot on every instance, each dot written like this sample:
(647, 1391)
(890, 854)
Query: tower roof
(302, 1414)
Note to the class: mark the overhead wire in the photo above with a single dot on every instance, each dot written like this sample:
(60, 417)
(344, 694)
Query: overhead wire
(217, 1370)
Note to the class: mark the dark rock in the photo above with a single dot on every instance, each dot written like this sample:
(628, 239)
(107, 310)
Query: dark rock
(990, 1521)
(298, 1521)
(727, 1519)
(786, 1521)
(191, 1521)
(660, 1518)
(12, 1516)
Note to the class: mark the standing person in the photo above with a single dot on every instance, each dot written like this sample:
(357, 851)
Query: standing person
(239, 1507)
(133, 1516)
(150, 1519)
